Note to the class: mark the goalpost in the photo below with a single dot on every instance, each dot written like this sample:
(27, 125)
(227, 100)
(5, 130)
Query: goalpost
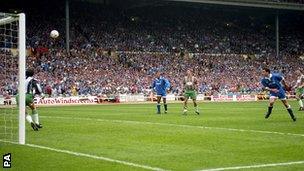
(12, 77)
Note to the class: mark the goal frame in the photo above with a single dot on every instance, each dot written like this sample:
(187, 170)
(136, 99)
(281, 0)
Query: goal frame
(22, 63)
(20, 18)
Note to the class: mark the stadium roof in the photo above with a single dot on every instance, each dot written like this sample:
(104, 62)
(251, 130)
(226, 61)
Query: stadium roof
(272, 4)
(127, 4)
(252, 3)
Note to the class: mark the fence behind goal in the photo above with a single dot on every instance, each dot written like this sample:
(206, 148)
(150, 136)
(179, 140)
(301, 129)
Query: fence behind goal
(12, 51)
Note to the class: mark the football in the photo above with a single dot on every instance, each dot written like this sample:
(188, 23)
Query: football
(54, 34)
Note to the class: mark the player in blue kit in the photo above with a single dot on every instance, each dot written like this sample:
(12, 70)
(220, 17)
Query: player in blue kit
(272, 83)
(160, 85)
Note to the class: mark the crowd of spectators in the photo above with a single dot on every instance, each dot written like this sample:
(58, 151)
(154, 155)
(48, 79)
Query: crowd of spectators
(196, 30)
(116, 51)
(93, 73)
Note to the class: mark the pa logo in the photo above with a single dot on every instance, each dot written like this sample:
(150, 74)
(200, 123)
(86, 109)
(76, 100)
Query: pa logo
(7, 159)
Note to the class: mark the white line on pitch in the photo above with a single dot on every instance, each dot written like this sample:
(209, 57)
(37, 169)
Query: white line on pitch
(179, 125)
(154, 168)
(90, 156)
(255, 166)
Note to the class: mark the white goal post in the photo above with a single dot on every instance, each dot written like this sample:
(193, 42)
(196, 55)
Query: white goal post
(22, 61)
(10, 40)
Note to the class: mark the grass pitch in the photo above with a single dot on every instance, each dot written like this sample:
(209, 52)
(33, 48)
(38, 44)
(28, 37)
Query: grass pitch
(134, 137)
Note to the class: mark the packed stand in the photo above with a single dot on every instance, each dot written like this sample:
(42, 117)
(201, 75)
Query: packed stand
(119, 51)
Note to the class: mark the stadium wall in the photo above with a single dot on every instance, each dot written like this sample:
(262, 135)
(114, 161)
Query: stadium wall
(124, 98)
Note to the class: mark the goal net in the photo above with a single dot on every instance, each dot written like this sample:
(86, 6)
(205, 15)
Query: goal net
(12, 78)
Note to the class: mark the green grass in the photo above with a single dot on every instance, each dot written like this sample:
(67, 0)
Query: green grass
(134, 133)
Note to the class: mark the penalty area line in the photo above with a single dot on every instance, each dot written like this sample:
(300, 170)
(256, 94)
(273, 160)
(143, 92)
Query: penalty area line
(90, 156)
(254, 166)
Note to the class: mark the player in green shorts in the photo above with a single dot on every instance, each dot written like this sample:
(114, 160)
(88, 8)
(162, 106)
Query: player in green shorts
(300, 89)
(190, 86)
(29, 99)
(32, 88)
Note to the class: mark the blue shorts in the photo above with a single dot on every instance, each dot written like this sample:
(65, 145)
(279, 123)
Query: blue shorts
(280, 95)
(163, 95)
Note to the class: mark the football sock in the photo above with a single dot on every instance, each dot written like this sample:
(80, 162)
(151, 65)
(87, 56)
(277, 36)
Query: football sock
(35, 116)
(28, 118)
(165, 106)
(290, 112)
(269, 110)
(301, 103)
(158, 108)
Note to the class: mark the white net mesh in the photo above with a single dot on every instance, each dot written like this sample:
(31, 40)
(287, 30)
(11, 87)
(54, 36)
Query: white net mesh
(8, 77)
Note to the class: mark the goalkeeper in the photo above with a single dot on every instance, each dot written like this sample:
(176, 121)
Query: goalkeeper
(32, 88)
